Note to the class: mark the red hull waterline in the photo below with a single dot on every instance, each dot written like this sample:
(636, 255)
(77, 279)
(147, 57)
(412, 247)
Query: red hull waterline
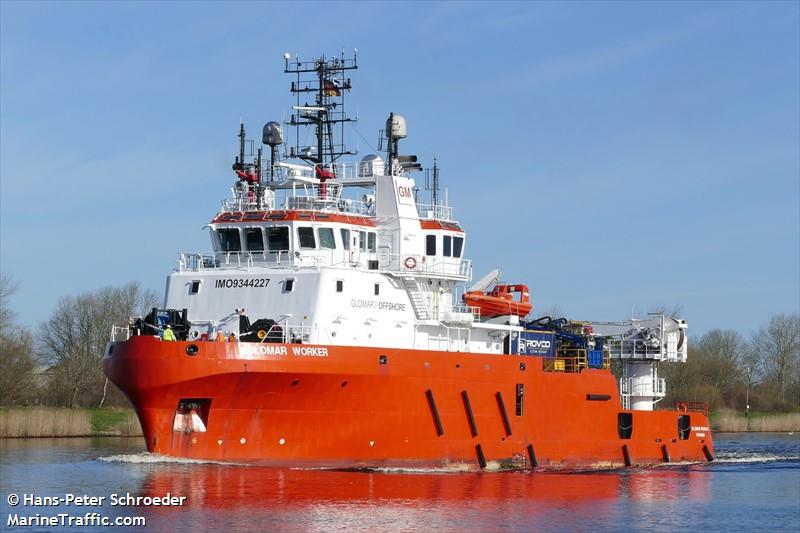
(338, 406)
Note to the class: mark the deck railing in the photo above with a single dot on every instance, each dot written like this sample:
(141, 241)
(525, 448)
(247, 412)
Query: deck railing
(120, 333)
(410, 265)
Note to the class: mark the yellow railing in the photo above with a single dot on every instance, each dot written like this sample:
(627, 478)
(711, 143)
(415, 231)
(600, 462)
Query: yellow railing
(572, 360)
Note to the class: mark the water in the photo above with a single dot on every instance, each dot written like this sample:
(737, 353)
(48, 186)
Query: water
(753, 485)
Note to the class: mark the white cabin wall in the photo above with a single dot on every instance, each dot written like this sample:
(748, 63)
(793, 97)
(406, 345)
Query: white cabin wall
(357, 316)
(396, 215)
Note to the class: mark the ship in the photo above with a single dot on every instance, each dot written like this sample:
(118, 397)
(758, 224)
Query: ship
(335, 324)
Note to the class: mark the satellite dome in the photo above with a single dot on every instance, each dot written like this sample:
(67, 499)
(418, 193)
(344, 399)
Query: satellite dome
(396, 124)
(272, 134)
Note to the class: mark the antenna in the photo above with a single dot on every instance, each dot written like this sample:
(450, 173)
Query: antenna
(435, 192)
(325, 79)
(239, 164)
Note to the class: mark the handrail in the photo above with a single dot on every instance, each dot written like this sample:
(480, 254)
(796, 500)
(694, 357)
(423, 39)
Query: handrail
(120, 333)
(692, 406)
(435, 212)
(410, 265)
(246, 259)
(642, 386)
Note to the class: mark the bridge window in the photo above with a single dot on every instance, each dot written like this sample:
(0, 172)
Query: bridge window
(345, 238)
(305, 237)
(254, 239)
(430, 245)
(371, 238)
(447, 246)
(458, 246)
(326, 239)
(229, 240)
(278, 239)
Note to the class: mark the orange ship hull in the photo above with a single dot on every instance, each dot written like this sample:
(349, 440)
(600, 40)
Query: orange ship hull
(371, 407)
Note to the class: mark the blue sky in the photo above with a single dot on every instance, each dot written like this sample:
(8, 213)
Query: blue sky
(613, 156)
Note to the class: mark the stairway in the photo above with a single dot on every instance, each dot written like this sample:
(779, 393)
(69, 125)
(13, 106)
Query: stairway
(419, 300)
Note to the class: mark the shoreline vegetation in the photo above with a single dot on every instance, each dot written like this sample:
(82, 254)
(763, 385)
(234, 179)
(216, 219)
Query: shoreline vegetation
(730, 421)
(49, 422)
(34, 422)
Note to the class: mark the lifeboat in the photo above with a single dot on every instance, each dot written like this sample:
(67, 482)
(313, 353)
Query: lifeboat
(500, 301)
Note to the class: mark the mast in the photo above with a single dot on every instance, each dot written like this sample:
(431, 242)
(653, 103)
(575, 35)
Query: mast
(435, 192)
(326, 79)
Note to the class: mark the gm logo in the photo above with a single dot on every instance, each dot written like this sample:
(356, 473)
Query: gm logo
(405, 194)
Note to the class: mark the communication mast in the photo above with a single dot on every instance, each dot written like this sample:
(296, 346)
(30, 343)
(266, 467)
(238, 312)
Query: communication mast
(325, 78)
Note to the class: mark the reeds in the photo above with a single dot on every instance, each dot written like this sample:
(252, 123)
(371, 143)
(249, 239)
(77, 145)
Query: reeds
(728, 420)
(779, 422)
(22, 422)
(45, 422)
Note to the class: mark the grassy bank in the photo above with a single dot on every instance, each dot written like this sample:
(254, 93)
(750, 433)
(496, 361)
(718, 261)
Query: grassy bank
(728, 420)
(21, 422)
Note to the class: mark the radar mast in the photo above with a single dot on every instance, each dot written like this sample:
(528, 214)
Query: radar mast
(326, 79)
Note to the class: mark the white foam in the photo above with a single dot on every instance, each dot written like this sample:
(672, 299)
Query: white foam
(154, 458)
(753, 458)
(454, 467)
(459, 467)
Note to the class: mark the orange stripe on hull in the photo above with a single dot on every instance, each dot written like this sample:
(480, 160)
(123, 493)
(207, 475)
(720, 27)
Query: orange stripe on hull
(342, 407)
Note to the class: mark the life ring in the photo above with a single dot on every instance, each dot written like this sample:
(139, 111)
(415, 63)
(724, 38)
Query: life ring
(410, 263)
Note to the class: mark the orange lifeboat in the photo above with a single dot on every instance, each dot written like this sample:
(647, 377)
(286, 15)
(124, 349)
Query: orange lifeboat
(500, 301)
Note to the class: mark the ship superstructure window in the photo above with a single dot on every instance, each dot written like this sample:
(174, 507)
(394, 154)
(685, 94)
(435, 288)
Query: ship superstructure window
(345, 238)
(339, 285)
(194, 286)
(288, 285)
(326, 239)
(254, 239)
(229, 240)
(430, 245)
(305, 237)
(278, 239)
(377, 289)
(458, 246)
(372, 242)
(447, 246)
(362, 241)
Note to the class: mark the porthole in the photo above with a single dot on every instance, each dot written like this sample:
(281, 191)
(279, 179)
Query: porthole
(192, 350)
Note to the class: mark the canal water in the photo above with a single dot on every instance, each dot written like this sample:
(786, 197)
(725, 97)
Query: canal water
(754, 485)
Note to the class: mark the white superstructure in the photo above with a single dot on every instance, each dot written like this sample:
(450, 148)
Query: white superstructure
(312, 250)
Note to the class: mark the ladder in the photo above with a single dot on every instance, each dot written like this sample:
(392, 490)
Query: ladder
(419, 301)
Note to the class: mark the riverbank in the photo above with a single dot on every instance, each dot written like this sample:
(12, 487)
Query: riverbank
(735, 422)
(25, 422)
